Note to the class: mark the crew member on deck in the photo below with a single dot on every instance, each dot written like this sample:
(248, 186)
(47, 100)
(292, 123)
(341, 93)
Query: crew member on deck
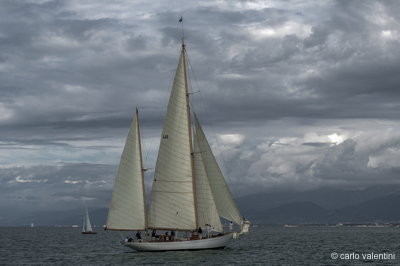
(200, 232)
(138, 235)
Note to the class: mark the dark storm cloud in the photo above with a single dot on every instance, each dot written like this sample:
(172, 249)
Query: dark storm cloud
(75, 66)
(345, 68)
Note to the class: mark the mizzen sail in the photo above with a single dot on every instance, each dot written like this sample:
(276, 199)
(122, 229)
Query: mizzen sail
(127, 209)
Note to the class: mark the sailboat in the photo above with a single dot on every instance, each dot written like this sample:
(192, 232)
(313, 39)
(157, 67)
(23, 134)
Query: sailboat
(188, 191)
(87, 227)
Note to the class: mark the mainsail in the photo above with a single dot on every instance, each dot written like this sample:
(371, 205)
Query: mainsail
(172, 204)
(127, 209)
(222, 196)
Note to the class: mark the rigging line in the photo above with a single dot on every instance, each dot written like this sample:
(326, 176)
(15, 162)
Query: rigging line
(196, 84)
(196, 88)
(191, 85)
(147, 148)
(221, 160)
(144, 145)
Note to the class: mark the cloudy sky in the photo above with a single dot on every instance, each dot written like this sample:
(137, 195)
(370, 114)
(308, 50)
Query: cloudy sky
(293, 94)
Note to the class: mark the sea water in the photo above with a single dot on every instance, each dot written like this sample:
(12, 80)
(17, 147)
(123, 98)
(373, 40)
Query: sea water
(265, 245)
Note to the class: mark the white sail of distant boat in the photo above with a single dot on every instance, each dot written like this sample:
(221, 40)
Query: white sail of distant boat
(188, 191)
(87, 227)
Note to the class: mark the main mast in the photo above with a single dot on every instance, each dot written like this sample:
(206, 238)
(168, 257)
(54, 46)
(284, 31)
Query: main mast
(190, 130)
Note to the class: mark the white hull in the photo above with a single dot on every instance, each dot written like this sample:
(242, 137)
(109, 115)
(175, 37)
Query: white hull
(209, 243)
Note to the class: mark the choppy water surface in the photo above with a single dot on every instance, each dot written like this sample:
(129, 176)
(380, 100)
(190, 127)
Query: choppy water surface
(264, 246)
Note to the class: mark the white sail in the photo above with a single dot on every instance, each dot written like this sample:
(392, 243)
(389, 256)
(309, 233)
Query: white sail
(87, 227)
(84, 223)
(172, 200)
(223, 199)
(206, 210)
(127, 208)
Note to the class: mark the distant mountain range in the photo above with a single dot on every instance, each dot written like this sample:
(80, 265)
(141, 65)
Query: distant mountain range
(325, 205)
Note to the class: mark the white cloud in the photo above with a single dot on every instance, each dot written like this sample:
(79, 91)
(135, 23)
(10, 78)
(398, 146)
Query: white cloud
(230, 139)
(288, 28)
(315, 159)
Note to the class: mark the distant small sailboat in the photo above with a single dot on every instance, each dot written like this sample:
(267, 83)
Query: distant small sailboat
(87, 227)
(189, 191)
(32, 225)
